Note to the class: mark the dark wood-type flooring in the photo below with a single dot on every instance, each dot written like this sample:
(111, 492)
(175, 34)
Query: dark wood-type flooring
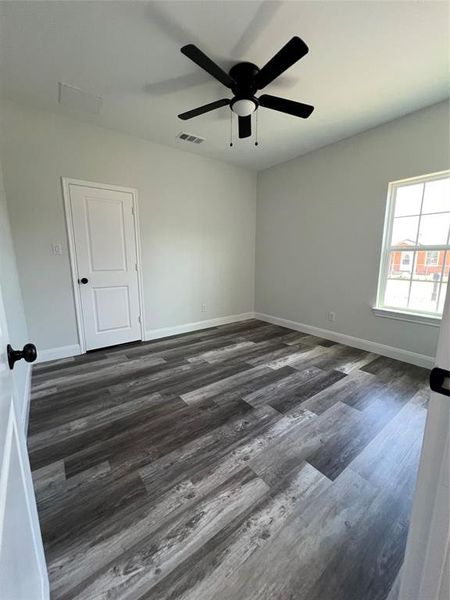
(243, 462)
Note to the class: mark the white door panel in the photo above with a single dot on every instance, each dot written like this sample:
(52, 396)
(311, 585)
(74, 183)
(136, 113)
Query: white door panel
(23, 574)
(112, 308)
(106, 255)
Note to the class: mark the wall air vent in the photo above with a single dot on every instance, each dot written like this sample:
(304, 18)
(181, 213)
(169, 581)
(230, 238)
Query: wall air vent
(188, 137)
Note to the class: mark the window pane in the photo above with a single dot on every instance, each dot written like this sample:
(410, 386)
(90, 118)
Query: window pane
(400, 265)
(396, 293)
(423, 296)
(404, 231)
(434, 229)
(428, 265)
(408, 200)
(437, 196)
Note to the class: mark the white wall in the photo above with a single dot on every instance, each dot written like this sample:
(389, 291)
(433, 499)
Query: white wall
(197, 220)
(320, 224)
(12, 300)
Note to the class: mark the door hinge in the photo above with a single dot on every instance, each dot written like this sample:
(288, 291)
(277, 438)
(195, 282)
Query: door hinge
(136, 266)
(132, 210)
(139, 319)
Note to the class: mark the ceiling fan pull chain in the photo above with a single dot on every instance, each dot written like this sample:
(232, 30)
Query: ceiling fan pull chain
(231, 128)
(256, 128)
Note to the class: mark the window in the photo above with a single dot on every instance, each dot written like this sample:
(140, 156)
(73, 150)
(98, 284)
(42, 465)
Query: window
(432, 258)
(415, 260)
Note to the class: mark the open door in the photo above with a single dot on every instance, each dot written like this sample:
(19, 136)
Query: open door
(426, 570)
(23, 573)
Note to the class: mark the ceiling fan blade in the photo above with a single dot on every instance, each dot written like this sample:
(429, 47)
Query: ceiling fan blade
(203, 61)
(195, 112)
(286, 106)
(289, 54)
(245, 126)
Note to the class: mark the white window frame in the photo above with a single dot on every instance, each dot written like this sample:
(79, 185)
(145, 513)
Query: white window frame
(380, 309)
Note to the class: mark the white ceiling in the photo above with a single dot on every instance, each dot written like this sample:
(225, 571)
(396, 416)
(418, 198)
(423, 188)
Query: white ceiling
(369, 62)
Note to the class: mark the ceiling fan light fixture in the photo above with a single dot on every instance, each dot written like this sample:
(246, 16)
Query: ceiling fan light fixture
(243, 107)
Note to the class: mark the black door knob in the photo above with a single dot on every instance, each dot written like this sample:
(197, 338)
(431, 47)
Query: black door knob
(83, 280)
(28, 352)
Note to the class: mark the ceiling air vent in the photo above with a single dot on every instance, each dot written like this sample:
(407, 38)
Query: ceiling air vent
(77, 99)
(188, 137)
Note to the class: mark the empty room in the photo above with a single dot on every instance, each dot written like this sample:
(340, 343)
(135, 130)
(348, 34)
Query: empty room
(224, 318)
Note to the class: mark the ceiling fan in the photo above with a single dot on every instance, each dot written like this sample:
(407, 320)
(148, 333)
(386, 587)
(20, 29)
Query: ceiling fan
(245, 80)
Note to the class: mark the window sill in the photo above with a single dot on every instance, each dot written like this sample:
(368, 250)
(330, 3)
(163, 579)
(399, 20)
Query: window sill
(390, 313)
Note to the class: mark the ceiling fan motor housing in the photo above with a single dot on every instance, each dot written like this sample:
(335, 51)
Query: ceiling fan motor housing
(244, 74)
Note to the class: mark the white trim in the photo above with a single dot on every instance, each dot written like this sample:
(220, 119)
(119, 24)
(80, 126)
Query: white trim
(57, 353)
(66, 182)
(154, 334)
(422, 360)
(406, 316)
(425, 178)
(14, 437)
(26, 400)
(137, 237)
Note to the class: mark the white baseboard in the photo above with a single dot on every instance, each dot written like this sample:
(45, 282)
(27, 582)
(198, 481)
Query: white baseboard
(154, 334)
(56, 353)
(421, 360)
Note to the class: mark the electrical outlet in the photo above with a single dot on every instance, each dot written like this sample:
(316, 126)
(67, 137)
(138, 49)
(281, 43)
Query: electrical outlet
(203, 309)
(57, 248)
(332, 316)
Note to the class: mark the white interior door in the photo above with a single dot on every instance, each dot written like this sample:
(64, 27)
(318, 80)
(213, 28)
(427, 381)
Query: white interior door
(105, 248)
(23, 574)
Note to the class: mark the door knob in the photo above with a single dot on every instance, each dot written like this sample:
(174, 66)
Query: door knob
(28, 352)
(83, 280)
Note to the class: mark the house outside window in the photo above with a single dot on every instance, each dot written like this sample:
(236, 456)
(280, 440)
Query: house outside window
(415, 260)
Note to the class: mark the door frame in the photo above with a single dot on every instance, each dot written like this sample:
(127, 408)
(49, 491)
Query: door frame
(66, 182)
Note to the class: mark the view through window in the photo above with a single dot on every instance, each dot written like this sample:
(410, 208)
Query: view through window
(415, 262)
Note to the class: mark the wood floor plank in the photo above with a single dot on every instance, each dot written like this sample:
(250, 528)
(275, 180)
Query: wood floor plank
(347, 389)
(361, 569)
(271, 392)
(206, 574)
(289, 566)
(310, 386)
(392, 459)
(298, 443)
(223, 385)
(142, 567)
(49, 476)
(154, 437)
